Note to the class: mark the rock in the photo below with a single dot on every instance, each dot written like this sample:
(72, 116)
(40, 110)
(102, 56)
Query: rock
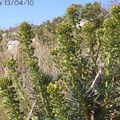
(13, 47)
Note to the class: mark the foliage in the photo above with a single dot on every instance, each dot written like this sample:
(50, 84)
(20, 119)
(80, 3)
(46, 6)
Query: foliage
(79, 68)
(39, 80)
(9, 92)
(88, 60)
(46, 31)
(111, 48)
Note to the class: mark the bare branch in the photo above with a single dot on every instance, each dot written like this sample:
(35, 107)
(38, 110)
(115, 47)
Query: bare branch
(30, 113)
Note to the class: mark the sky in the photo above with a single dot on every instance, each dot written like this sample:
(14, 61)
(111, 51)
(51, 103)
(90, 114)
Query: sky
(37, 12)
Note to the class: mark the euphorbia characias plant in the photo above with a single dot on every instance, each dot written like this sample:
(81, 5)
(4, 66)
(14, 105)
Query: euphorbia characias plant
(38, 79)
(10, 92)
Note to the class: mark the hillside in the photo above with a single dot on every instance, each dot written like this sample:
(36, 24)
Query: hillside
(64, 69)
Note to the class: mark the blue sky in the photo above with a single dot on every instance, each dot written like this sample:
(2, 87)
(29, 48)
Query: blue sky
(42, 10)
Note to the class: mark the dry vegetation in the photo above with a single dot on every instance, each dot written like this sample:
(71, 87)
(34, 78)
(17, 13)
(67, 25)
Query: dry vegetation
(65, 69)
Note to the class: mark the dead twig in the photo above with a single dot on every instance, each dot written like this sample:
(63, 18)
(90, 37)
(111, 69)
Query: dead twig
(30, 113)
